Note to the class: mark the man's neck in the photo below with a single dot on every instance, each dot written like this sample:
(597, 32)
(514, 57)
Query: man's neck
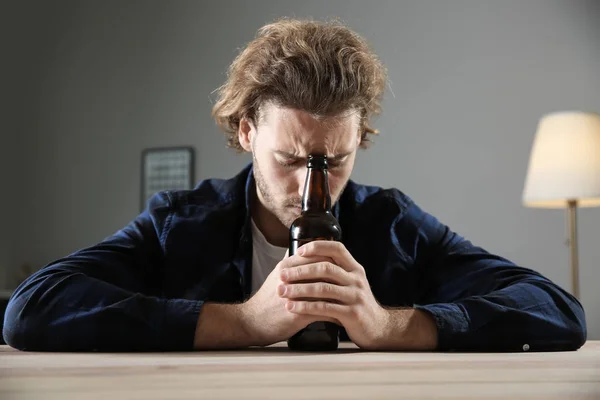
(270, 226)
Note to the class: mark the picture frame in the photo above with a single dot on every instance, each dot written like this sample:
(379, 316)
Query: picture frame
(166, 168)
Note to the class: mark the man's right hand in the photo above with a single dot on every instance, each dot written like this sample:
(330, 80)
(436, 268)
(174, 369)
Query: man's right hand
(266, 318)
(260, 321)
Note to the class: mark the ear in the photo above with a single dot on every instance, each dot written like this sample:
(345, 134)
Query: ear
(246, 131)
(360, 131)
(359, 138)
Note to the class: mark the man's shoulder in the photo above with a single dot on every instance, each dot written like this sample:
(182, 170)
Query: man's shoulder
(374, 197)
(208, 193)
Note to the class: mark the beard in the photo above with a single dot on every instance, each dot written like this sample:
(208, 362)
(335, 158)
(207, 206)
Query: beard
(287, 210)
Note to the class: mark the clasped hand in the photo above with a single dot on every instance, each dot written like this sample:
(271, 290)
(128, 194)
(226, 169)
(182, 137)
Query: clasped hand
(322, 282)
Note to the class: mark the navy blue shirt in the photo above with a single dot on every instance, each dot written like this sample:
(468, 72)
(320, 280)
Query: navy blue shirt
(143, 287)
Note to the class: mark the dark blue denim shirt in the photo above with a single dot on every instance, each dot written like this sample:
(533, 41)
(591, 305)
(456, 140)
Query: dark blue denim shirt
(143, 287)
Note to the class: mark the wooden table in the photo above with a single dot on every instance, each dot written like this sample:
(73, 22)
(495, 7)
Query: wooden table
(278, 373)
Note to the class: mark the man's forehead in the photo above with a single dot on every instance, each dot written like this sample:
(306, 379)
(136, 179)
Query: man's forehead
(299, 133)
(294, 143)
(273, 114)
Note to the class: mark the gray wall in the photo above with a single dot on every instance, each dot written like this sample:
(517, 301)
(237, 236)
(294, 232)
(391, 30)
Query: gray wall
(8, 144)
(469, 80)
(15, 42)
(7, 178)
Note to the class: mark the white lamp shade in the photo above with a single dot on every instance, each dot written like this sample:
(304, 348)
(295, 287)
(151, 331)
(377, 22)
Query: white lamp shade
(565, 161)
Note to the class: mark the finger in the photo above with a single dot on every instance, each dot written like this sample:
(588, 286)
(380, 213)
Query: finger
(320, 271)
(296, 260)
(320, 318)
(319, 308)
(318, 291)
(334, 250)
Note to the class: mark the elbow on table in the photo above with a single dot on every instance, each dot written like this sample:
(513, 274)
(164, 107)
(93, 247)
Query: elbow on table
(22, 328)
(578, 333)
(574, 333)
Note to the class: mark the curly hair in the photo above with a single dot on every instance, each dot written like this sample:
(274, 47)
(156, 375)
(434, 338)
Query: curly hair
(324, 69)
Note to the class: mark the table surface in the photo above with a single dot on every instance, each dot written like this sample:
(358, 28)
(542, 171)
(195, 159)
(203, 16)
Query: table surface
(276, 372)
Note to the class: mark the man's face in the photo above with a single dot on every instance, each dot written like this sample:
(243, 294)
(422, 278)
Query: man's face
(280, 146)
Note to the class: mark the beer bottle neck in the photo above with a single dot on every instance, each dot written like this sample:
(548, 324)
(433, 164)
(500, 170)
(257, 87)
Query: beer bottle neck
(316, 196)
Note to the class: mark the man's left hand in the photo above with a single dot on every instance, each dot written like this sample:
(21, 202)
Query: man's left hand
(338, 290)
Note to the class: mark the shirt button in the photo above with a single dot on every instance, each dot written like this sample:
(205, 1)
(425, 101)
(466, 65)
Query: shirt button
(525, 347)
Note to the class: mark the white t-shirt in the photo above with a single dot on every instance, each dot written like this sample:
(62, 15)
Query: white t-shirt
(265, 257)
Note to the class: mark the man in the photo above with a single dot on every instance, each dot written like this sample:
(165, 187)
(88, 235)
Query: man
(207, 268)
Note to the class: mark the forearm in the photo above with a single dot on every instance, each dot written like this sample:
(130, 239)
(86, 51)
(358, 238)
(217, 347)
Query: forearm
(408, 329)
(532, 315)
(222, 326)
(60, 310)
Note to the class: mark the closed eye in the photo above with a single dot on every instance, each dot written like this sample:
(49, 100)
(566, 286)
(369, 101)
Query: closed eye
(290, 164)
(297, 164)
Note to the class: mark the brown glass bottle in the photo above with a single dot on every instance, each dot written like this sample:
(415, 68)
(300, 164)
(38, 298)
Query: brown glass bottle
(316, 223)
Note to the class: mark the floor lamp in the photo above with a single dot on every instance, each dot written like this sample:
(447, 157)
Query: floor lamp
(564, 171)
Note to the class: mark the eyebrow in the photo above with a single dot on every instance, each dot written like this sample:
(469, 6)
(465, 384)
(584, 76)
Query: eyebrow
(293, 156)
